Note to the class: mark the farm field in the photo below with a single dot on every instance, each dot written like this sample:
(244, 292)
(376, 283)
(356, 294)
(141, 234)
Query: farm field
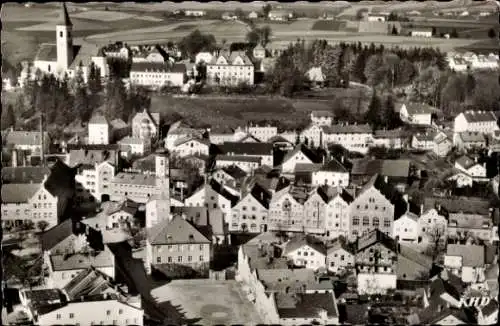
(329, 25)
(102, 15)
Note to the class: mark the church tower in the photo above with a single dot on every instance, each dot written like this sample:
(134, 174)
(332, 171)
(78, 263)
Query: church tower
(64, 39)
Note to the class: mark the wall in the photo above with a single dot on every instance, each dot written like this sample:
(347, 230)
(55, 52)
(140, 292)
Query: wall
(199, 253)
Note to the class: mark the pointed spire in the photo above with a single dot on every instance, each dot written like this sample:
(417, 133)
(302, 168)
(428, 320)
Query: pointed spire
(64, 17)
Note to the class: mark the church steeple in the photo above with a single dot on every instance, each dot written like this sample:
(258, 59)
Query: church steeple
(64, 19)
(64, 39)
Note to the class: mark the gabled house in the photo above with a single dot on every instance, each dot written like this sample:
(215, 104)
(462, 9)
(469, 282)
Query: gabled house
(316, 77)
(177, 242)
(466, 261)
(190, 145)
(397, 171)
(230, 175)
(250, 149)
(306, 251)
(178, 131)
(406, 228)
(462, 225)
(244, 162)
(146, 125)
(442, 144)
(445, 290)
(339, 257)
(332, 173)
(99, 130)
(250, 214)
(338, 214)
(315, 208)
(300, 154)
(394, 139)
(467, 140)
(478, 121)
(432, 223)
(412, 265)
(354, 138)
(208, 221)
(286, 211)
(472, 168)
(312, 136)
(416, 113)
(231, 69)
(30, 141)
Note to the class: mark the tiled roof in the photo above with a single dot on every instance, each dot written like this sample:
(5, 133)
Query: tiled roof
(118, 124)
(386, 189)
(183, 140)
(98, 119)
(128, 140)
(238, 158)
(277, 139)
(235, 172)
(176, 231)
(277, 280)
(470, 221)
(92, 156)
(490, 308)
(347, 129)
(337, 244)
(241, 148)
(83, 54)
(389, 168)
(307, 167)
(323, 113)
(396, 133)
(466, 162)
(29, 138)
(306, 305)
(55, 235)
(374, 237)
(88, 282)
(135, 179)
(24, 174)
(480, 116)
(47, 52)
(221, 190)
(472, 255)
(305, 150)
(19, 193)
(333, 166)
(150, 116)
(472, 205)
(149, 67)
(300, 241)
(415, 256)
(43, 296)
(472, 136)
(82, 261)
(261, 195)
(419, 108)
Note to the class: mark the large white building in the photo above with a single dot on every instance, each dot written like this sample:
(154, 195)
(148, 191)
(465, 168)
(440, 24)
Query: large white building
(355, 138)
(65, 57)
(479, 121)
(99, 130)
(157, 74)
(230, 69)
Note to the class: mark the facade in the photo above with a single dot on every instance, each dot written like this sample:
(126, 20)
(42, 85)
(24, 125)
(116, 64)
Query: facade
(332, 173)
(250, 214)
(431, 222)
(393, 139)
(442, 144)
(416, 113)
(263, 151)
(371, 210)
(191, 146)
(28, 141)
(94, 181)
(421, 33)
(470, 167)
(466, 261)
(468, 140)
(145, 125)
(322, 118)
(354, 138)
(476, 121)
(338, 214)
(230, 70)
(157, 74)
(376, 252)
(99, 130)
(299, 155)
(136, 146)
(462, 225)
(305, 251)
(262, 133)
(406, 228)
(279, 15)
(286, 212)
(339, 258)
(177, 242)
(312, 136)
(246, 163)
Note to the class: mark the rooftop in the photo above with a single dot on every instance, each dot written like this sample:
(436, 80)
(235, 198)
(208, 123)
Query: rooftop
(419, 108)
(347, 129)
(471, 205)
(135, 179)
(24, 174)
(480, 116)
(242, 148)
(306, 305)
(472, 136)
(391, 168)
(19, 193)
(472, 255)
(82, 260)
(300, 241)
(176, 231)
(466, 162)
(238, 158)
(469, 221)
(29, 138)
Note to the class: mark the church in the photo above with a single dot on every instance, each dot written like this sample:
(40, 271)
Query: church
(63, 57)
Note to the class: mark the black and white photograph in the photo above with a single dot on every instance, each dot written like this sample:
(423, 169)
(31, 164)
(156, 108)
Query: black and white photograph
(250, 163)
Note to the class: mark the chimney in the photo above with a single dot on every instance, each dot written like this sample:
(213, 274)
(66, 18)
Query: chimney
(14, 158)
(342, 159)
(421, 209)
(386, 179)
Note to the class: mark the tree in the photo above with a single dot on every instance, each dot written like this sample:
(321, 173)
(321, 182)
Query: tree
(374, 70)
(115, 100)
(374, 114)
(360, 14)
(253, 37)
(239, 13)
(434, 31)
(492, 33)
(266, 9)
(94, 79)
(437, 237)
(391, 118)
(197, 42)
(42, 225)
(406, 72)
(331, 65)
(8, 117)
(394, 30)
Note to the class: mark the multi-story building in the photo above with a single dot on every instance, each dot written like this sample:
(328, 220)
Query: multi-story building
(231, 69)
(339, 257)
(416, 113)
(244, 162)
(93, 182)
(442, 144)
(286, 211)
(394, 139)
(461, 226)
(332, 173)
(99, 130)
(472, 168)
(373, 208)
(250, 149)
(177, 242)
(376, 252)
(338, 214)
(30, 141)
(151, 55)
(315, 208)
(141, 187)
(299, 155)
(312, 136)
(466, 261)
(478, 121)
(250, 214)
(262, 133)
(157, 74)
(354, 138)
(191, 145)
(43, 200)
(146, 125)
(306, 251)
(468, 140)
(280, 15)
(322, 118)
(406, 228)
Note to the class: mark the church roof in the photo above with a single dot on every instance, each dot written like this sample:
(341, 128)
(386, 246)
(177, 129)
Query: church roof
(47, 52)
(64, 17)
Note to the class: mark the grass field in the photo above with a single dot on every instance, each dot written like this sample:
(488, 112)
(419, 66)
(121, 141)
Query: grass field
(225, 305)
(184, 27)
(329, 25)
(102, 15)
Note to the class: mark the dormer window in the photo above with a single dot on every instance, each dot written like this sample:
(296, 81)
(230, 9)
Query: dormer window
(169, 238)
(60, 34)
(191, 237)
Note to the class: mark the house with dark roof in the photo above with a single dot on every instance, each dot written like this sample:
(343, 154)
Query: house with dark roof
(397, 171)
(394, 139)
(146, 124)
(244, 162)
(231, 175)
(251, 149)
(301, 154)
(468, 261)
(332, 173)
(306, 251)
(250, 214)
(416, 113)
(412, 265)
(30, 141)
(375, 207)
(339, 256)
(471, 167)
(353, 137)
(46, 200)
(467, 140)
(406, 228)
(177, 242)
(230, 69)
(485, 122)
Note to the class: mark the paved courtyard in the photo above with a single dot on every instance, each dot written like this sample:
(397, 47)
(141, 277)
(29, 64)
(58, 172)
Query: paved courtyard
(209, 302)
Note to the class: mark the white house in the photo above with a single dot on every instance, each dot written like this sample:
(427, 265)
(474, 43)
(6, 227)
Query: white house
(191, 146)
(232, 69)
(406, 228)
(421, 33)
(262, 133)
(466, 261)
(146, 124)
(286, 211)
(312, 136)
(458, 64)
(332, 173)
(472, 168)
(299, 155)
(339, 257)
(354, 138)
(430, 222)
(338, 214)
(136, 146)
(480, 121)
(322, 118)
(416, 113)
(250, 148)
(28, 141)
(99, 130)
(195, 13)
(244, 162)
(250, 214)
(203, 57)
(305, 251)
(157, 74)
(94, 181)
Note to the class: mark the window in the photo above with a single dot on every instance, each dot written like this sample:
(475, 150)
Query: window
(355, 220)
(305, 253)
(58, 316)
(179, 259)
(190, 258)
(375, 222)
(201, 247)
(120, 311)
(387, 223)
(60, 34)
(158, 260)
(342, 257)
(71, 315)
(169, 259)
(201, 258)
(366, 221)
